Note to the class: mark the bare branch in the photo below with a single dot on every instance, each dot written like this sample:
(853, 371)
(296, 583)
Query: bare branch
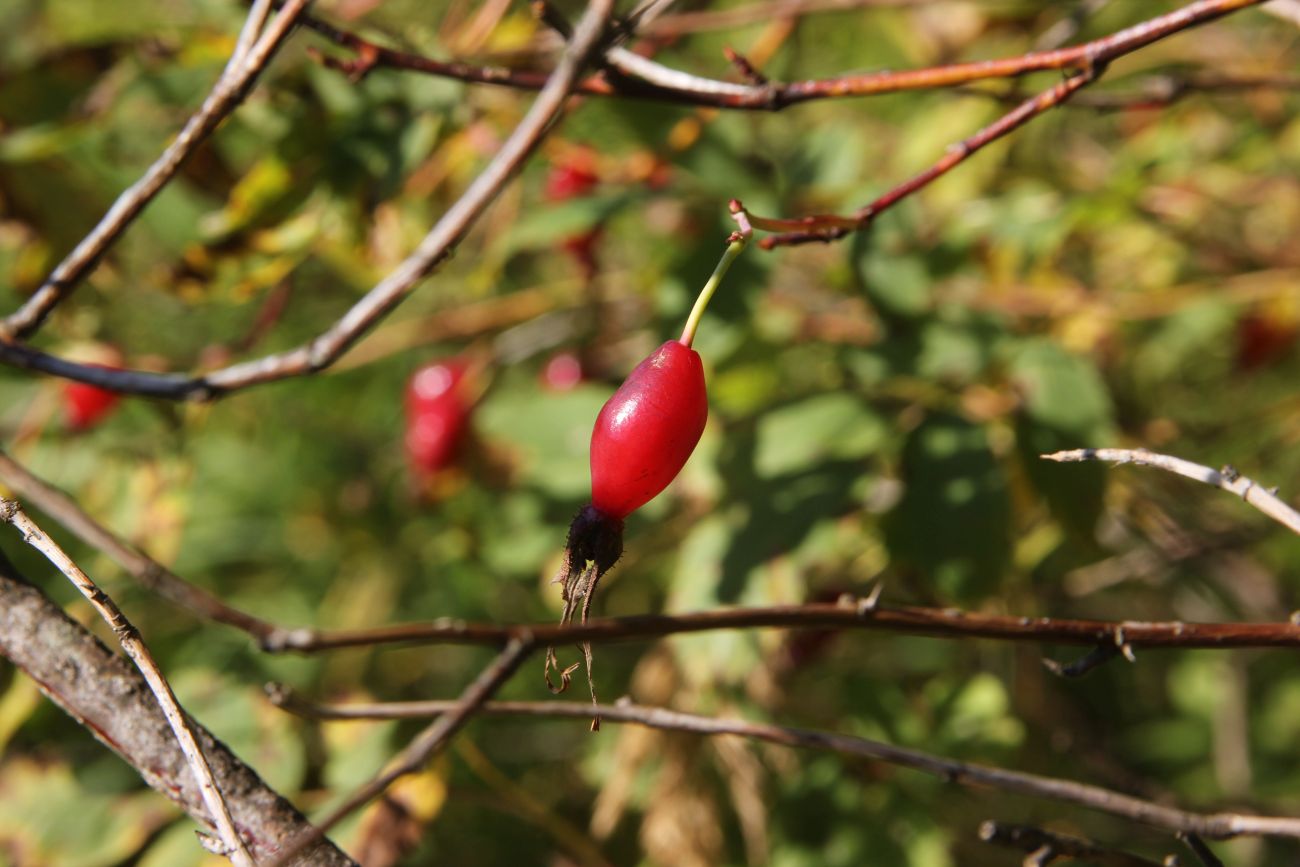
(1214, 825)
(1228, 479)
(424, 746)
(1090, 59)
(849, 614)
(135, 648)
(241, 72)
(643, 78)
(1046, 846)
(107, 695)
(829, 227)
(904, 620)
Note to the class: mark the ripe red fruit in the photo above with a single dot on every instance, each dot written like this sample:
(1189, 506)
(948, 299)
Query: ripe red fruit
(647, 430)
(575, 178)
(437, 416)
(86, 405)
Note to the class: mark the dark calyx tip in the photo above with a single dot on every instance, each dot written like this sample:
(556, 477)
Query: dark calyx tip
(594, 536)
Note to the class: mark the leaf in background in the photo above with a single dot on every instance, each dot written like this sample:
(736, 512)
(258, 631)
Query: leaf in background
(1065, 405)
(545, 226)
(549, 432)
(821, 428)
(897, 286)
(953, 521)
(48, 817)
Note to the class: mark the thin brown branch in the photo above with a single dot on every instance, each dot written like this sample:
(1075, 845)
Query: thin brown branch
(1100, 635)
(643, 78)
(1047, 846)
(1090, 58)
(1161, 91)
(829, 227)
(129, 637)
(322, 351)
(107, 695)
(245, 65)
(1107, 638)
(1228, 479)
(149, 572)
(1214, 825)
(904, 620)
(424, 745)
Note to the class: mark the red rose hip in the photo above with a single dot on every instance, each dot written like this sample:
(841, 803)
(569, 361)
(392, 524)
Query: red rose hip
(647, 430)
(437, 415)
(643, 437)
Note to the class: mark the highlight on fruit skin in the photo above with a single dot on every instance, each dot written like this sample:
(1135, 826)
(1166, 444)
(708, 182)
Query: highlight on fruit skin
(438, 412)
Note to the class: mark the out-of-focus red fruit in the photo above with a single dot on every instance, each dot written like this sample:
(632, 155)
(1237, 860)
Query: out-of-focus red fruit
(563, 372)
(803, 647)
(437, 416)
(575, 178)
(85, 405)
(1262, 340)
(571, 180)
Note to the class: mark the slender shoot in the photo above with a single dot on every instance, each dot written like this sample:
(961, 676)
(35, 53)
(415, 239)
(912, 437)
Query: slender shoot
(735, 244)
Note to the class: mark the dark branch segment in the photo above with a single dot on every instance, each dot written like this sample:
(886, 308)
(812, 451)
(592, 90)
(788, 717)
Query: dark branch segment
(108, 696)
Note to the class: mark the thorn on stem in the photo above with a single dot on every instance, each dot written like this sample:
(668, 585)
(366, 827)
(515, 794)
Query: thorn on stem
(872, 601)
(1098, 656)
(744, 67)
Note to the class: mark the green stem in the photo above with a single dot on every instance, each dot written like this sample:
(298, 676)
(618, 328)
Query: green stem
(697, 312)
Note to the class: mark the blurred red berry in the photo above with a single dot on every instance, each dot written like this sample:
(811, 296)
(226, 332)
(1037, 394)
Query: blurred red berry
(85, 405)
(563, 372)
(437, 416)
(571, 180)
(1262, 340)
(575, 178)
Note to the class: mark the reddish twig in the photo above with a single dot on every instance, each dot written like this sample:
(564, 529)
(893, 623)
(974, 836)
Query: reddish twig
(246, 64)
(1213, 825)
(829, 227)
(668, 85)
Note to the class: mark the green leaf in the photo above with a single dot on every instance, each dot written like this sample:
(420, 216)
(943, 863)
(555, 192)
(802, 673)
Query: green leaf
(48, 817)
(1065, 405)
(952, 522)
(821, 428)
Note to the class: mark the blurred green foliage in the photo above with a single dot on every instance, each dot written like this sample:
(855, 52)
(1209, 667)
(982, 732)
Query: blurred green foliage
(1100, 278)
